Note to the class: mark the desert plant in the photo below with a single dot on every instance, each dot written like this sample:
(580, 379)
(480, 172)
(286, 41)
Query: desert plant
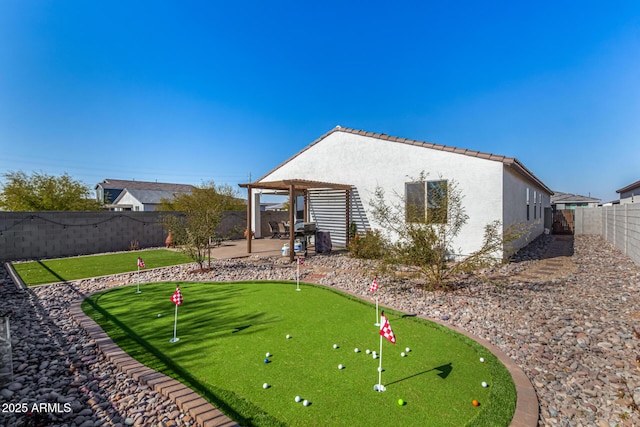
(424, 234)
(367, 245)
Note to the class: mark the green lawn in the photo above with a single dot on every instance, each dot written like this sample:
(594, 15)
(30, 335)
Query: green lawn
(225, 330)
(65, 269)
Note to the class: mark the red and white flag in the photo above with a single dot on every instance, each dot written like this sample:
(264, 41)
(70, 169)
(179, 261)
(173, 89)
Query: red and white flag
(385, 329)
(300, 261)
(177, 297)
(141, 263)
(374, 285)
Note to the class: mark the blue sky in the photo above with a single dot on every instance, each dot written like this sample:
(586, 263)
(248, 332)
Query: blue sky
(197, 91)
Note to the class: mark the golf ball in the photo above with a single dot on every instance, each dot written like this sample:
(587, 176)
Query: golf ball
(484, 384)
(335, 346)
(159, 314)
(400, 402)
(288, 336)
(482, 359)
(475, 402)
(306, 402)
(402, 354)
(265, 385)
(375, 356)
(340, 366)
(268, 354)
(379, 369)
(407, 349)
(356, 350)
(266, 360)
(297, 399)
(368, 351)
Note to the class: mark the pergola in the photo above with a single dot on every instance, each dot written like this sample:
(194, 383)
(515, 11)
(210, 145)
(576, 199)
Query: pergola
(291, 186)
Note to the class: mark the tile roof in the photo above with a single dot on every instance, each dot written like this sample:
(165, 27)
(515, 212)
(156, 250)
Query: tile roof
(507, 161)
(560, 197)
(629, 187)
(120, 184)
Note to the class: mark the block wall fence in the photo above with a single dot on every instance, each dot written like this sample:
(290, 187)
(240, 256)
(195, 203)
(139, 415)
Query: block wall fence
(32, 235)
(618, 224)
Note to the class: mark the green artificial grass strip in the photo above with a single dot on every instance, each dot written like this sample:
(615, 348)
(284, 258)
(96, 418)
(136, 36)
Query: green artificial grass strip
(226, 329)
(64, 269)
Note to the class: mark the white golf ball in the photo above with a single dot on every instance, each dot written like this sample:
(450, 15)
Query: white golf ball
(379, 369)
(375, 356)
(368, 351)
(268, 354)
(297, 399)
(288, 336)
(407, 349)
(484, 384)
(356, 350)
(335, 346)
(159, 314)
(402, 354)
(340, 366)
(306, 402)
(482, 359)
(265, 385)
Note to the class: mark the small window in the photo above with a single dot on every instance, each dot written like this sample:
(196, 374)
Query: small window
(437, 202)
(415, 201)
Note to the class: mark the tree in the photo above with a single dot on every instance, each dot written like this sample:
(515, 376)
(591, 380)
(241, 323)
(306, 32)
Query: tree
(42, 192)
(194, 228)
(423, 225)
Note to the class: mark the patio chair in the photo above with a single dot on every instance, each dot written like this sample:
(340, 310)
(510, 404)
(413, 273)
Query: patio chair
(275, 231)
(283, 229)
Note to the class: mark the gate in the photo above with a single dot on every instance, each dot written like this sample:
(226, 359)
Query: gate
(563, 221)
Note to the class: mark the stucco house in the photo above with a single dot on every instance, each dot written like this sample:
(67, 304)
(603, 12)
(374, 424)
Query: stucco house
(567, 201)
(630, 193)
(124, 195)
(333, 180)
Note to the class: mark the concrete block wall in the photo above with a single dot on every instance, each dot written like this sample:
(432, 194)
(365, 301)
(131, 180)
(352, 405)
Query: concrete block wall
(618, 224)
(30, 235)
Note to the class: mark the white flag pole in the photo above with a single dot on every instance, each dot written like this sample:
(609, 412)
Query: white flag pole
(377, 317)
(175, 325)
(138, 277)
(379, 387)
(298, 275)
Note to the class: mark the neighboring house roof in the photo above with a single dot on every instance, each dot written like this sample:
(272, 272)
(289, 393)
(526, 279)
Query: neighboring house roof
(629, 187)
(119, 184)
(559, 197)
(147, 197)
(507, 161)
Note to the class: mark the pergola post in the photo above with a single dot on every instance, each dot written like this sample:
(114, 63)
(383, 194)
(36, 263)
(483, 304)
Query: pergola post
(249, 197)
(348, 213)
(292, 213)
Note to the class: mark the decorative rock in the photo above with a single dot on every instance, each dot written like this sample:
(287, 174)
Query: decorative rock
(573, 331)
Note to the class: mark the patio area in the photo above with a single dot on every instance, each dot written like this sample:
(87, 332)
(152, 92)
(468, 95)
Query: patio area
(260, 247)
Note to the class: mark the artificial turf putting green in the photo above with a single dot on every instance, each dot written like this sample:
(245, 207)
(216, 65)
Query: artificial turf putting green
(63, 269)
(225, 330)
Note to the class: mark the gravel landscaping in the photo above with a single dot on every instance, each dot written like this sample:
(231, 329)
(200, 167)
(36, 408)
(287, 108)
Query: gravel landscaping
(569, 323)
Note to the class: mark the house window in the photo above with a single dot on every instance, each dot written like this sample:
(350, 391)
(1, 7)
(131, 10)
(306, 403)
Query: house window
(535, 200)
(415, 201)
(437, 203)
(426, 202)
(527, 196)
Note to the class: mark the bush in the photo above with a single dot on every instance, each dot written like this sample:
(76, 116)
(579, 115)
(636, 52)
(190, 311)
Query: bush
(370, 245)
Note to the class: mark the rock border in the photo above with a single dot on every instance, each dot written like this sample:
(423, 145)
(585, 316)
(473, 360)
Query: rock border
(527, 405)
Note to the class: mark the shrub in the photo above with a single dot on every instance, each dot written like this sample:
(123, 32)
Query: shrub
(370, 245)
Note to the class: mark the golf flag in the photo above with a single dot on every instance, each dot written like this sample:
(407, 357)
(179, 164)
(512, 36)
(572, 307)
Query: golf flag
(300, 261)
(374, 285)
(385, 329)
(141, 263)
(177, 296)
